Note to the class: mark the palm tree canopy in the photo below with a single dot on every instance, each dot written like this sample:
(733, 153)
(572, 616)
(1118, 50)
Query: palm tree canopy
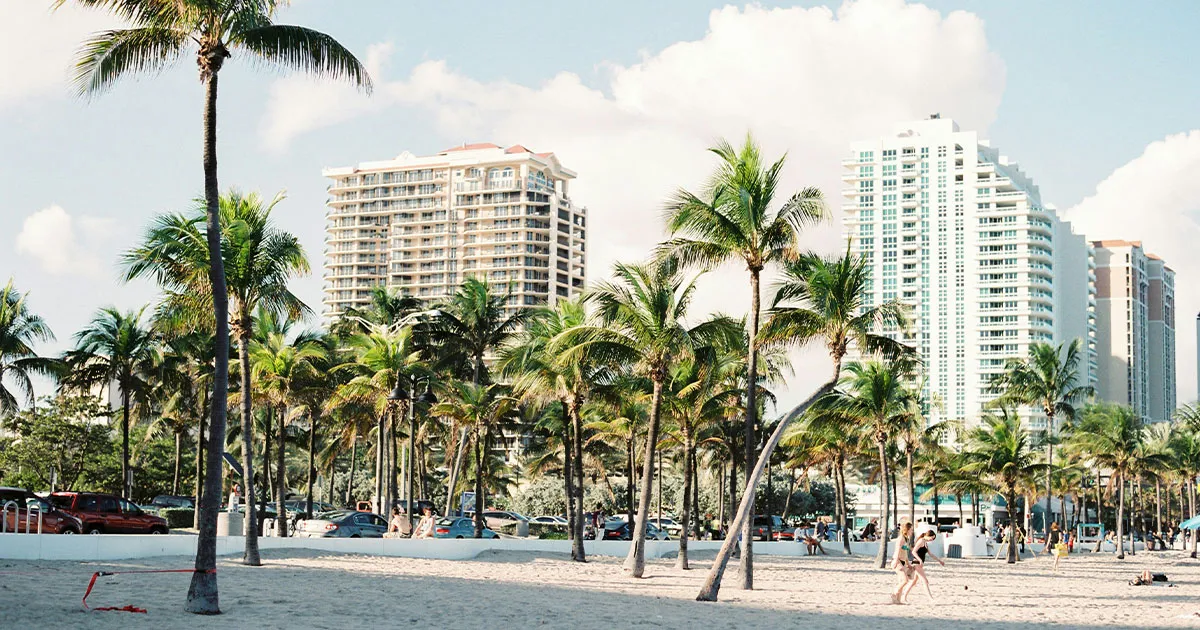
(473, 323)
(114, 346)
(259, 260)
(997, 453)
(161, 31)
(20, 330)
(827, 299)
(1048, 378)
(383, 357)
(872, 394)
(733, 217)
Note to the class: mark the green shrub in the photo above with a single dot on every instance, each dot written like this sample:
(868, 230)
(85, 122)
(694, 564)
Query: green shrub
(548, 535)
(178, 517)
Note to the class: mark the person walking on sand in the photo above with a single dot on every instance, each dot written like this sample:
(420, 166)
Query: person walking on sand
(1055, 544)
(922, 551)
(902, 565)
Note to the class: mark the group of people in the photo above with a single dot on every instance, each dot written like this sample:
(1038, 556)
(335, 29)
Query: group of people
(400, 527)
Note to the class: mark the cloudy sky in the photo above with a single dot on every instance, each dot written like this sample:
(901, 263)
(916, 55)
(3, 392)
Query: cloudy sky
(1096, 100)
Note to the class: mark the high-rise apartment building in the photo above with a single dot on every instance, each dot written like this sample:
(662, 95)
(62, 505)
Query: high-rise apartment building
(1135, 300)
(959, 233)
(423, 224)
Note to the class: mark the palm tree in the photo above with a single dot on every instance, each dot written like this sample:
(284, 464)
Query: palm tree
(540, 377)
(1112, 436)
(818, 300)
(1048, 379)
(161, 32)
(827, 438)
(281, 368)
(19, 331)
(874, 396)
(116, 348)
(259, 260)
(998, 453)
(643, 314)
(481, 408)
(732, 219)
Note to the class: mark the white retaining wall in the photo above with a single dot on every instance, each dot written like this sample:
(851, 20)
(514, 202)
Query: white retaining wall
(132, 546)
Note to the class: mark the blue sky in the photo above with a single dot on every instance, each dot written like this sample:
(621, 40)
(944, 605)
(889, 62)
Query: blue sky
(628, 94)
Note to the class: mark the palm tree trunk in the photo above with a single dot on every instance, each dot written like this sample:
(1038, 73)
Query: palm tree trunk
(962, 522)
(912, 492)
(410, 498)
(884, 528)
(635, 563)
(1049, 473)
(202, 596)
(456, 470)
(747, 563)
(578, 553)
(479, 505)
(281, 485)
(787, 501)
(1158, 504)
(1121, 519)
(1134, 510)
(126, 481)
(1099, 509)
(841, 499)
(729, 531)
(686, 517)
(379, 446)
(1011, 498)
(936, 502)
(629, 481)
(353, 469)
(250, 557)
(178, 462)
(308, 495)
(895, 496)
(268, 437)
(720, 496)
(712, 583)
(569, 487)
(199, 489)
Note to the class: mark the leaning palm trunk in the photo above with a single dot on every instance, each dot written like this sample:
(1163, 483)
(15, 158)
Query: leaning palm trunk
(250, 556)
(202, 595)
(635, 563)
(712, 583)
(884, 528)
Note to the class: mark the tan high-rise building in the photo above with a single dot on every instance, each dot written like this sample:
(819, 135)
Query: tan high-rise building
(423, 224)
(1135, 305)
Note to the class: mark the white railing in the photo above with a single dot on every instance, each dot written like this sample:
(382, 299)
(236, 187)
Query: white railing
(16, 509)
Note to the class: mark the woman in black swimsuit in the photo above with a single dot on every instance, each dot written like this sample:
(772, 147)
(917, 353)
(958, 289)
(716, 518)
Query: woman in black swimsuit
(921, 550)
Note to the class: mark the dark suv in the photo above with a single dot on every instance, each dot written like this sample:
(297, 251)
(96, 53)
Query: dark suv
(108, 514)
(764, 525)
(20, 518)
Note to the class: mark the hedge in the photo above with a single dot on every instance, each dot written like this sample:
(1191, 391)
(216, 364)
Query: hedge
(178, 518)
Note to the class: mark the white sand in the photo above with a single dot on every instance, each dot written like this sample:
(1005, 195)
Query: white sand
(503, 590)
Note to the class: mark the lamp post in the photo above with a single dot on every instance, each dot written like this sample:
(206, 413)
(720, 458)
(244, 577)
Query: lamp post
(427, 398)
(398, 397)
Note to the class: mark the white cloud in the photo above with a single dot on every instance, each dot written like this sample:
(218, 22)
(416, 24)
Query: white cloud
(1155, 198)
(37, 46)
(65, 245)
(806, 81)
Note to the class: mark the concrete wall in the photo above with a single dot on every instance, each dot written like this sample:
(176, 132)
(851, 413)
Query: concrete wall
(128, 547)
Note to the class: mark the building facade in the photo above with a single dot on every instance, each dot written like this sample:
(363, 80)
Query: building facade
(1135, 299)
(424, 224)
(956, 231)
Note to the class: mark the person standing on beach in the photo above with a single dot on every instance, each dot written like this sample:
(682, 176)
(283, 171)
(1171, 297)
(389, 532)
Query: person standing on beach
(921, 549)
(235, 497)
(902, 565)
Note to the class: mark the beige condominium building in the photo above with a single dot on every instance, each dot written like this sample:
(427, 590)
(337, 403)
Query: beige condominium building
(424, 224)
(1135, 302)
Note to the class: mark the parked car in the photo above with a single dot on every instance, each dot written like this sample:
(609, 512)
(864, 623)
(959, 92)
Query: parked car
(342, 524)
(18, 518)
(669, 524)
(786, 534)
(500, 519)
(459, 527)
(620, 530)
(296, 507)
(169, 501)
(549, 520)
(765, 525)
(108, 514)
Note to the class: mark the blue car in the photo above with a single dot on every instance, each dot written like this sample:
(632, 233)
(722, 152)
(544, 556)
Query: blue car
(459, 527)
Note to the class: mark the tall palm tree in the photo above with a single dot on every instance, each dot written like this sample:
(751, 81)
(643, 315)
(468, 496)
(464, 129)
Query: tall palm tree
(643, 324)
(826, 438)
(1047, 379)
(20, 330)
(259, 260)
(162, 31)
(538, 376)
(998, 453)
(734, 220)
(481, 408)
(281, 367)
(874, 395)
(821, 300)
(1112, 436)
(115, 348)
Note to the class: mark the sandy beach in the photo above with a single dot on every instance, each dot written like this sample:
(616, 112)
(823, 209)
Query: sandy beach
(320, 590)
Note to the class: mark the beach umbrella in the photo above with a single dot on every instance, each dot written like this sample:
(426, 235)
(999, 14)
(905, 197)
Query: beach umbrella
(1191, 523)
